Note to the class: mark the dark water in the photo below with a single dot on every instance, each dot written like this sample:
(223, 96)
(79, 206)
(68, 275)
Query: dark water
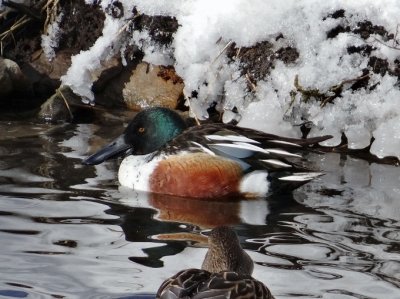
(69, 231)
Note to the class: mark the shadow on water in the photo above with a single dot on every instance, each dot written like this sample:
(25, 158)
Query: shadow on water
(69, 231)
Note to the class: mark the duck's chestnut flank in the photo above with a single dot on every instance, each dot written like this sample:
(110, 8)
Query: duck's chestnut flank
(196, 175)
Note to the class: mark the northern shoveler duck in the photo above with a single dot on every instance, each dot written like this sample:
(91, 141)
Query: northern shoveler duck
(207, 161)
(226, 273)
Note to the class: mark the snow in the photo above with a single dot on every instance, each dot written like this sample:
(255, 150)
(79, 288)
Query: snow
(78, 76)
(51, 39)
(197, 53)
(387, 142)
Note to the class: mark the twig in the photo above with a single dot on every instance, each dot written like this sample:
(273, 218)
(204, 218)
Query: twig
(26, 10)
(395, 35)
(382, 43)
(252, 85)
(323, 97)
(375, 39)
(222, 51)
(23, 20)
(85, 106)
(127, 24)
(51, 12)
(238, 52)
(66, 103)
(338, 88)
(355, 79)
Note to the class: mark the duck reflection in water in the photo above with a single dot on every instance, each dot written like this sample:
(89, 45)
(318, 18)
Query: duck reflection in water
(207, 213)
(225, 273)
(204, 214)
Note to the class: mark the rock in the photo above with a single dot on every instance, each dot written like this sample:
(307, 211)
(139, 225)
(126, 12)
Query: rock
(42, 86)
(44, 74)
(29, 85)
(111, 78)
(152, 85)
(60, 107)
(53, 68)
(12, 80)
(137, 86)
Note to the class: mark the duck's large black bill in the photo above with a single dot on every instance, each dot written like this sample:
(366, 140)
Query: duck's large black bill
(113, 150)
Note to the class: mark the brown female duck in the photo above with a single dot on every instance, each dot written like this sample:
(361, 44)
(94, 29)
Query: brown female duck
(226, 273)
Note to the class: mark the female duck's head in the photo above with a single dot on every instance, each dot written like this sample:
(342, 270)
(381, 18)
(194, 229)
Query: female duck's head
(149, 130)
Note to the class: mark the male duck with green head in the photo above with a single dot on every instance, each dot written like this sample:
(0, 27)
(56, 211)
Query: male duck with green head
(206, 161)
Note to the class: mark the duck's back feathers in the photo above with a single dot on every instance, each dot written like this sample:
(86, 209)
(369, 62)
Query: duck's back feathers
(233, 285)
(200, 284)
(254, 148)
(183, 284)
(240, 134)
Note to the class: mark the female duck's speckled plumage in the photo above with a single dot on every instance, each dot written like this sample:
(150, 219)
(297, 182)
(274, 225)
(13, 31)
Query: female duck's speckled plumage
(226, 273)
(225, 253)
(196, 284)
(210, 160)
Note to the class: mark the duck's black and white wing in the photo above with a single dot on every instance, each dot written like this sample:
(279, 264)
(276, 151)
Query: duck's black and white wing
(280, 160)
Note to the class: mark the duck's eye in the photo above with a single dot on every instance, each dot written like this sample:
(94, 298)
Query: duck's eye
(141, 130)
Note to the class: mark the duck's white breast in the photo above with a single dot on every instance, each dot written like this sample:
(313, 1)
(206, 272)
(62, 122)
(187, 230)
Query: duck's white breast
(255, 183)
(135, 171)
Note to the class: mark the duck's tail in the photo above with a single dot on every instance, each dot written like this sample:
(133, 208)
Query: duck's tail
(288, 182)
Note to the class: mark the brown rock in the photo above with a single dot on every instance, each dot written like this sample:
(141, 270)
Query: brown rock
(152, 85)
(55, 68)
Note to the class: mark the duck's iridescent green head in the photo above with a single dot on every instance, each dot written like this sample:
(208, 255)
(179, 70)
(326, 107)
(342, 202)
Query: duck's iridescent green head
(152, 128)
(147, 132)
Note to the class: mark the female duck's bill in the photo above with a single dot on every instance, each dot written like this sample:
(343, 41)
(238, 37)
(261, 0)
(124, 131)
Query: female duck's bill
(206, 161)
(226, 273)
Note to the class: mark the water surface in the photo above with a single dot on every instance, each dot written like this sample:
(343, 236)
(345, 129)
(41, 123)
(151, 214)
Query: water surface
(69, 231)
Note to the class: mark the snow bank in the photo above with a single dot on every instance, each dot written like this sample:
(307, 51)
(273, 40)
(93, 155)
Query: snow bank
(198, 55)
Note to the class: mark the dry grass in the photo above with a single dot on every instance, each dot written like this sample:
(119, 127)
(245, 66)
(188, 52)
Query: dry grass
(51, 9)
